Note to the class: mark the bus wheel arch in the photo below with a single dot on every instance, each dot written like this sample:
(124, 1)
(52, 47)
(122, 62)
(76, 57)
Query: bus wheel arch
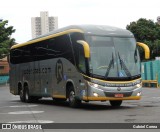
(71, 95)
(68, 86)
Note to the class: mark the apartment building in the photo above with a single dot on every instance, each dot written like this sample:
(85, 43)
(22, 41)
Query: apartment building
(43, 24)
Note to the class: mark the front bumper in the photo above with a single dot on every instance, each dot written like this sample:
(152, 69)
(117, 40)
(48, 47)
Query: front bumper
(108, 93)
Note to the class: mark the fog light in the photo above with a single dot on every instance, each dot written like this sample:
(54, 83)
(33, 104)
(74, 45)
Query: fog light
(95, 94)
(139, 94)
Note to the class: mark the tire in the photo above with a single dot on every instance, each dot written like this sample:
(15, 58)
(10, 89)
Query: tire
(73, 101)
(21, 95)
(115, 103)
(28, 98)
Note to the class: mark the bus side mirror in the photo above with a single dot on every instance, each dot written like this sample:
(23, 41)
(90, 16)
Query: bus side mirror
(85, 47)
(146, 49)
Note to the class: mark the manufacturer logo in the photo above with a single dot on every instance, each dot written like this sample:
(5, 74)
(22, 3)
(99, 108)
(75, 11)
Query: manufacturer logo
(118, 89)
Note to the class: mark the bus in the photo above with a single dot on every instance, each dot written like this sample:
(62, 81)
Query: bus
(78, 63)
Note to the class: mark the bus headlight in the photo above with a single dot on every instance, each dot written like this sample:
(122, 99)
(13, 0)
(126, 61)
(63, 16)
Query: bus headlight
(139, 85)
(93, 85)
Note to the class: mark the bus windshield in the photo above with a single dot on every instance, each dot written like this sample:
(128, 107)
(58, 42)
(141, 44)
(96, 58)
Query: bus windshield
(113, 57)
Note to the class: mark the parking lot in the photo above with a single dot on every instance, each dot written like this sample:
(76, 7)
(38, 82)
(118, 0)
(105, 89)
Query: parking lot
(146, 110)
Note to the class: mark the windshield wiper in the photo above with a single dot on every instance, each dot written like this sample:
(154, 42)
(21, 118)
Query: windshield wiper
(110, 65)
(123, 66)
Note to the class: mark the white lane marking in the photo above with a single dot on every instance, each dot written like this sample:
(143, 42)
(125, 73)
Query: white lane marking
(25, 112)
(156, 97)
(130, 105)
(18, 106)
(33, 121)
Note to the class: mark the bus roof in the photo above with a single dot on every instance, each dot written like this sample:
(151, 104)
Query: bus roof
(86, 29)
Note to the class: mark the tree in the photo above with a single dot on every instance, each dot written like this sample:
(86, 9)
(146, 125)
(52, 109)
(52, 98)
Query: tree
(148, 32)
(5, 38)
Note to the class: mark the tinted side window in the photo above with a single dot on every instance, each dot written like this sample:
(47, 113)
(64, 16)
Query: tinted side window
(16, 55)
(78, 50)
(26, 54)
(60, 47)
(40, 50)
(52, 48)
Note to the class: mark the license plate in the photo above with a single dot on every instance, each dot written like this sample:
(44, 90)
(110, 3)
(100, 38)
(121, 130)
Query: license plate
(118, 95)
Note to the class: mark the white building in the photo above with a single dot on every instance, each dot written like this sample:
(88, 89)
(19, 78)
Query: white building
(43, 24)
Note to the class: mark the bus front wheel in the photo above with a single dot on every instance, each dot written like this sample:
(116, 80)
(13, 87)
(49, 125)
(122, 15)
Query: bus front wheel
(73, 101)
(115, 103)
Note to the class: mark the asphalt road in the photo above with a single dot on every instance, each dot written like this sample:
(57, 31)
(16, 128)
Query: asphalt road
(146, 110)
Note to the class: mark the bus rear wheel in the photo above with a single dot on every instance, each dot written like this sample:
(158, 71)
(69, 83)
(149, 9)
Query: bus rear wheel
(21, 95)
(26, 95)
(115, 103)
(73, 101)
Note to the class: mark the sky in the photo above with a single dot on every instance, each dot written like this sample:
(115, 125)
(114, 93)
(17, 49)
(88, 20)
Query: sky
(118, 13)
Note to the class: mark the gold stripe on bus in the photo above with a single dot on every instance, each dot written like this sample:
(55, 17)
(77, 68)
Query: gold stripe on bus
(59, 96)
(91, 98)
(47, 37)
(117, 82)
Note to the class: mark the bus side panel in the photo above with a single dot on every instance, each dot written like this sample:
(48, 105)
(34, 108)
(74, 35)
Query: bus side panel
(31, 79)
(24, 73)
(28, 76)
(66, 72)
(46, 77)
(36, 74)
(59, 89)
(13, 79)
